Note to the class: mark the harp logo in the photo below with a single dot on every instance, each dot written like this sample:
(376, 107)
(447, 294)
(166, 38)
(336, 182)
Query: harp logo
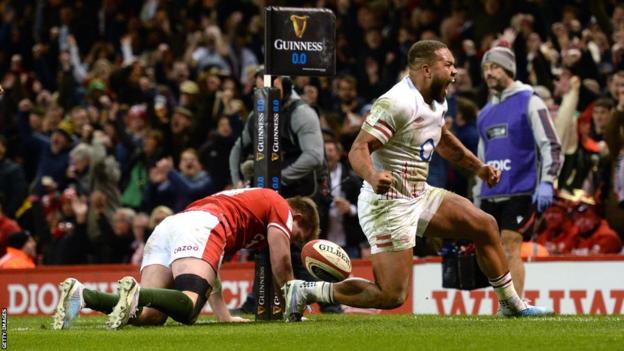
(300, 23)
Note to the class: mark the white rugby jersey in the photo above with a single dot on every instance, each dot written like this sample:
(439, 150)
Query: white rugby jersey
(409, 130)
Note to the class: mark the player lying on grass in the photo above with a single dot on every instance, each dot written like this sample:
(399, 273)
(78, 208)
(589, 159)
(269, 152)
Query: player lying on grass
(392, 154)
(179, 272)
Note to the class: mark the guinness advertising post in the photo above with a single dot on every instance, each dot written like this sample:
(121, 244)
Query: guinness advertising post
(267, 170)
(300, 41)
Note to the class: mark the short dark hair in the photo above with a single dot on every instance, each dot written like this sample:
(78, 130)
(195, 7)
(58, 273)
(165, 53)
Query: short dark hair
(604, 102)
(423, 52)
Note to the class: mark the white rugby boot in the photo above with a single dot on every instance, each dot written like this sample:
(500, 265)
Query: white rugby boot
(126, 307)
(69, 305)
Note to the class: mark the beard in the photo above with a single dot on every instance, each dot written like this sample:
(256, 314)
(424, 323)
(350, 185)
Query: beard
(438, 89)
(495, 84)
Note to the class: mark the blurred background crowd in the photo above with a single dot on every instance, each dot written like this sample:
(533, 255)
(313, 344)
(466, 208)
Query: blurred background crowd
(118, 113)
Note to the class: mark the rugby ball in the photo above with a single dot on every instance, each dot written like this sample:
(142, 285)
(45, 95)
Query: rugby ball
(326, 260)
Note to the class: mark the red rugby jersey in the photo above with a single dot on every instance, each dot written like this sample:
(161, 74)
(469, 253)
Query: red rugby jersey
(246, 215)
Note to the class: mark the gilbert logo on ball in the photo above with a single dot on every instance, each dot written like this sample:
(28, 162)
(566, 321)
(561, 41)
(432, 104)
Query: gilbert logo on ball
(326, 260)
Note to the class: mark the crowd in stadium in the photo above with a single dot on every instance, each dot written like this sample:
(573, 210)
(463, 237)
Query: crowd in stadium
(116, 114)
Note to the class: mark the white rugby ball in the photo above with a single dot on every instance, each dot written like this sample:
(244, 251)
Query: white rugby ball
(326, 260)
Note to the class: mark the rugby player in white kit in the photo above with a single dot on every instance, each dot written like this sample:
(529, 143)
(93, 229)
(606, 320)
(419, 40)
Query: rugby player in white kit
(392, 154)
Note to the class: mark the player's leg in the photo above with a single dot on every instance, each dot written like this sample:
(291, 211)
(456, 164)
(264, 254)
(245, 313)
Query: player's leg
(458, 218)
(182, 304)
(512, 244)
(153, 277)
(390, 227)
(515, 218)
(74, 297)
(392, 272)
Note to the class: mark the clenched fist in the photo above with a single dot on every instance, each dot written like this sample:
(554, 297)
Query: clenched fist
(489, 174)
(381, 182)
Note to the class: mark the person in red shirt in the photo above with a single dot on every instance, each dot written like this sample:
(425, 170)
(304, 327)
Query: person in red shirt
(559, 231)
(181, 260)
(595, 235)
(7, 227)
(21, 251)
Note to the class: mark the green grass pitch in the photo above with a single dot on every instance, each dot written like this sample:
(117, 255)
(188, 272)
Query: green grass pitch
(331, 332)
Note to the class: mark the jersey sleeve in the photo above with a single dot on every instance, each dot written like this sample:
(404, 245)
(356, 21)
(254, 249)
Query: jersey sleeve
(280, 217)
(385, 118)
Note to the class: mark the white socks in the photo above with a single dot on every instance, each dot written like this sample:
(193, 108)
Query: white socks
(319, 291)
(507, 296)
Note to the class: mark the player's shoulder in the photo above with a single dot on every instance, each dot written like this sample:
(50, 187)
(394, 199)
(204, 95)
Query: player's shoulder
(402, 92)
(400, 99)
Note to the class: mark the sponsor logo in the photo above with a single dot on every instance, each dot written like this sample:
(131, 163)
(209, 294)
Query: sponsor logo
(300, 23)
(260, 125)
(501, 165)
(290, 45)
(259, 156)
(185, 248)
(274, 156)
(496, 132)
(276, 128)
(581, 301)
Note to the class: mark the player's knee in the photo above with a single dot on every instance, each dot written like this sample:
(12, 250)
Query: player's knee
(151, 316)
(392, 300)
(487, 228)
(197, 285)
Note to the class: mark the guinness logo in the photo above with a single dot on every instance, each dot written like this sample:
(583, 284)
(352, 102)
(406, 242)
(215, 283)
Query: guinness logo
(300, 23)
(259, 156)
(274, 156)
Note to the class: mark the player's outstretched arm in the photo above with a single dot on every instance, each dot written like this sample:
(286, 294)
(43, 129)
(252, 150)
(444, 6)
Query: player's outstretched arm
(454, 151)
(279, 250)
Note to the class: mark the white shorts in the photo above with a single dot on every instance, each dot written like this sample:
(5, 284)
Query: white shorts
(182, 235)
(392, 225)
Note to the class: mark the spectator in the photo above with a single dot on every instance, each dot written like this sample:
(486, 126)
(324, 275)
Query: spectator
(176, 189)
(557, 230)
(13, 188)
(21, 252)
(216, 153)
(115, 244)
(71, 244)
(595, 235)
(141, 161)
(343, 227)
(140, 226)
(614, 137)
(92, 170)
(302, 144)
(7, 227)
(180, 135)
(158, 214)
(52, 151)
(517, 137)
